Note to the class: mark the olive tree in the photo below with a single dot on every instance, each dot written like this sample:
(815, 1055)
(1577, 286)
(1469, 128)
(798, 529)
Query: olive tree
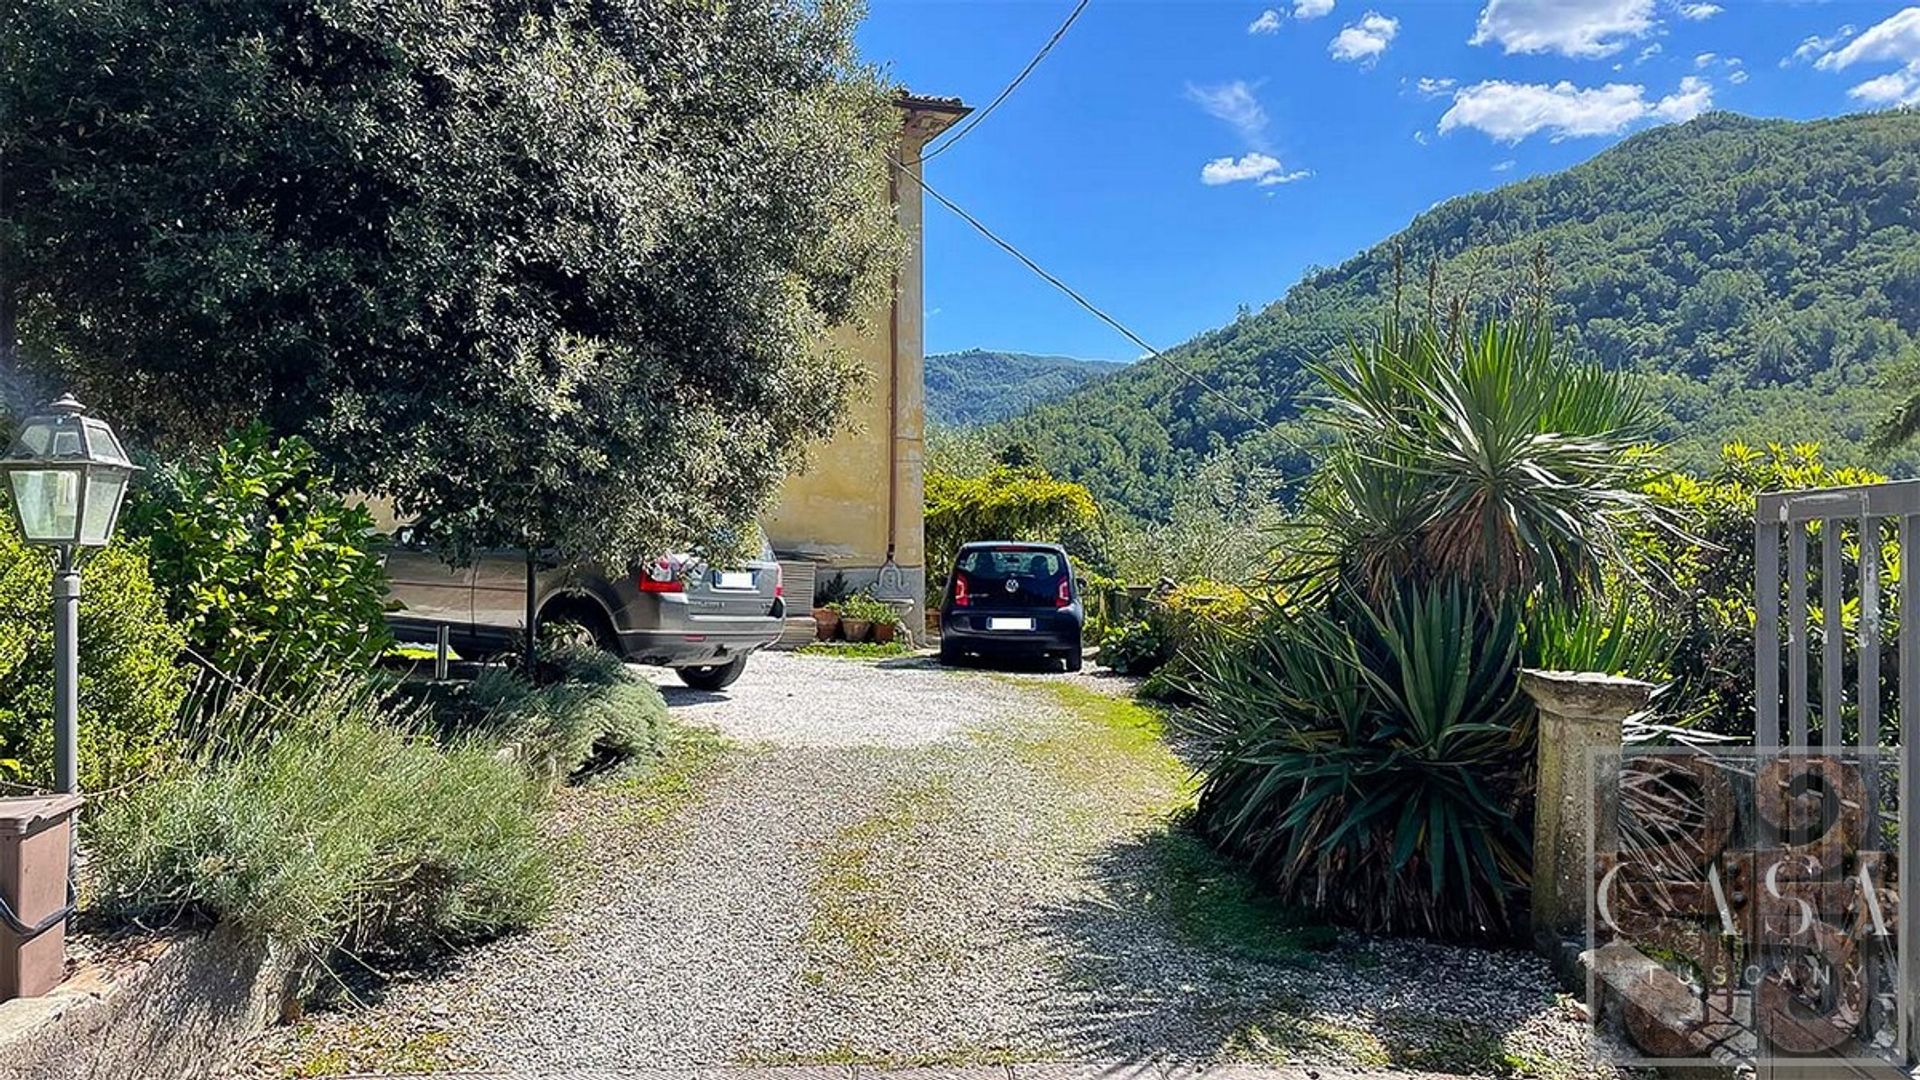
(548, 272)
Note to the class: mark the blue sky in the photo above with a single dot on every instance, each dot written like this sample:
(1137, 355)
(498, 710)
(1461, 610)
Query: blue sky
(1174, 160)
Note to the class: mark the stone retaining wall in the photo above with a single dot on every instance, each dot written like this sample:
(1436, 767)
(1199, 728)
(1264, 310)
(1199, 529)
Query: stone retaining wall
(179, 1008)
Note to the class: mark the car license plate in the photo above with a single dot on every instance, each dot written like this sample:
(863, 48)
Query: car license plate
(1009, 624)
(733, 579)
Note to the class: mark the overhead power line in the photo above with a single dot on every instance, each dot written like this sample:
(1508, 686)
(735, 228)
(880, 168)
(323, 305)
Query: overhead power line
(973, 122)
(1152, 353)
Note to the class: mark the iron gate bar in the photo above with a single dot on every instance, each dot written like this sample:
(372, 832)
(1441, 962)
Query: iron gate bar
(1909, 779)
(1897, 498)
(1833, 642)
(1869, 688)
(1796, 634)
(1766, 634)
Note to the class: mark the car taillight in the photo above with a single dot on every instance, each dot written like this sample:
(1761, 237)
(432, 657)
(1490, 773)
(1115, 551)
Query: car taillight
(779, 581)
(662, 575)
(1064, 596)
(960, 598)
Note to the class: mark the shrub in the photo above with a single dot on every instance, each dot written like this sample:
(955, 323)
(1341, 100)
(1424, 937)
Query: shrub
(1005, 503)
(1134, 648)
(588, 710)
(130, 679)
(1373, 766)
(1185, 618)
(1702, 576)
(275, 578)
(344, 831)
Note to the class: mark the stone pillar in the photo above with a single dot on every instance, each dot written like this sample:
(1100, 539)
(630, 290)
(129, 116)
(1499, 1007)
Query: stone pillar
(1581, 714)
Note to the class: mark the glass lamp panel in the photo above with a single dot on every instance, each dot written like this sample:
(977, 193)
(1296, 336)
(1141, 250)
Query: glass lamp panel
(48, 503)
(102, 446)
(104, 490)
(35, 438)
(66, 441)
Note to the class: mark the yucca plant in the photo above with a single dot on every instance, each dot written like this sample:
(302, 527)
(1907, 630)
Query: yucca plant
(1371, 765)
(1480, 455)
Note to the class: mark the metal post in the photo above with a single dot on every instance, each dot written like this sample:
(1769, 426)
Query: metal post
(441, 643)
(533, 612)
(66, 674)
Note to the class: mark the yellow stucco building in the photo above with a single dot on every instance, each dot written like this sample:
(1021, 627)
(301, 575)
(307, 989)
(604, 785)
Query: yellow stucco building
(856, 510)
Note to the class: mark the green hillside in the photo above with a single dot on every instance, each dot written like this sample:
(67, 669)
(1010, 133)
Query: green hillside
(979, 387)
(1761, 273)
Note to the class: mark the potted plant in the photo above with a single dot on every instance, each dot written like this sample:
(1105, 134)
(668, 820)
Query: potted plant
(861, 614)
(826, 607)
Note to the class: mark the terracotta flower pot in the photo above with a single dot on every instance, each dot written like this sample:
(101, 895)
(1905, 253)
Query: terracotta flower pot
(825, 622)
(883, 633)
(855, 629)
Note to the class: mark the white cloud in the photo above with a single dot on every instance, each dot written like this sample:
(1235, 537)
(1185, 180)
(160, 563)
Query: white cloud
(1694, 97)
(1433, 87)
(1365, 40)
(1504, 166)
(1273, 179)
(1579, 28)
(1235, 104)
(1815, 45)
(1897, 38)
(1510, 112)
(1267, 23)
(1697, 12)
(1704, 59)
(1311, 9)
(1737, 78)
(1228, 170)
(1646, 54)
(1894, 88)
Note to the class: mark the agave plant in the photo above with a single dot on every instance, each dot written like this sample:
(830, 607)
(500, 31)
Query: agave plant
(1485, 456)
(1372, 766)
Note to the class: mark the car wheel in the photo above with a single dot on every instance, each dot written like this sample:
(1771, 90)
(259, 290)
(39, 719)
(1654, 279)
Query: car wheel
(712, 676)
(949, 656)
(572, 624)
(1072, 660)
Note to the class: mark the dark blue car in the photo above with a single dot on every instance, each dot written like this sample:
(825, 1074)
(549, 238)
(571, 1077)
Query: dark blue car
(1011, 600)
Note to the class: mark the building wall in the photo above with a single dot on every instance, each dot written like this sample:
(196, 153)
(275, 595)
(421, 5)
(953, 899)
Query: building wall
(835, 512)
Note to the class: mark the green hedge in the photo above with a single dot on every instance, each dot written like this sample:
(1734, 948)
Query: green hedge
(130, 679)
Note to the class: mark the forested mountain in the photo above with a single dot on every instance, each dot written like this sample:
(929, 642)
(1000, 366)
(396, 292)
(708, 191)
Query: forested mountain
(1762, 274)
(979, 387)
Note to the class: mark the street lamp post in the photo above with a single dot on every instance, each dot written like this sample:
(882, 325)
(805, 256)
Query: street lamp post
(68, 474)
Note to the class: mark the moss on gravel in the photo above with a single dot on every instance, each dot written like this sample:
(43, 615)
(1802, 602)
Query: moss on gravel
(1111, 745)
(862, 913)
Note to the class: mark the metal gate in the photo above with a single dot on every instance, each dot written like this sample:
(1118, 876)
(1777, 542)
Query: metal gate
(1832, 540)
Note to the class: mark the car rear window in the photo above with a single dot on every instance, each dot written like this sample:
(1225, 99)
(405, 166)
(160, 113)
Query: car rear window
(1011, 561)
(1012, 576)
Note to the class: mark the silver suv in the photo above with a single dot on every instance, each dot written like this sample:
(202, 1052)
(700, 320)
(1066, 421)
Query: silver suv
(674, 611)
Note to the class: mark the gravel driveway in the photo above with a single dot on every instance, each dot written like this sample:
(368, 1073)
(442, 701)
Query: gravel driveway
(902, 865)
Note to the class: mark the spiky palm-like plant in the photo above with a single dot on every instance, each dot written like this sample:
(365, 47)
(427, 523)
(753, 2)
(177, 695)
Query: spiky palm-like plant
(1482, 455)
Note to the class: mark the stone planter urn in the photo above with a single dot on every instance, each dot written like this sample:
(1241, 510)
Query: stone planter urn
(826, 622)
(883, 632)
(855, 629)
